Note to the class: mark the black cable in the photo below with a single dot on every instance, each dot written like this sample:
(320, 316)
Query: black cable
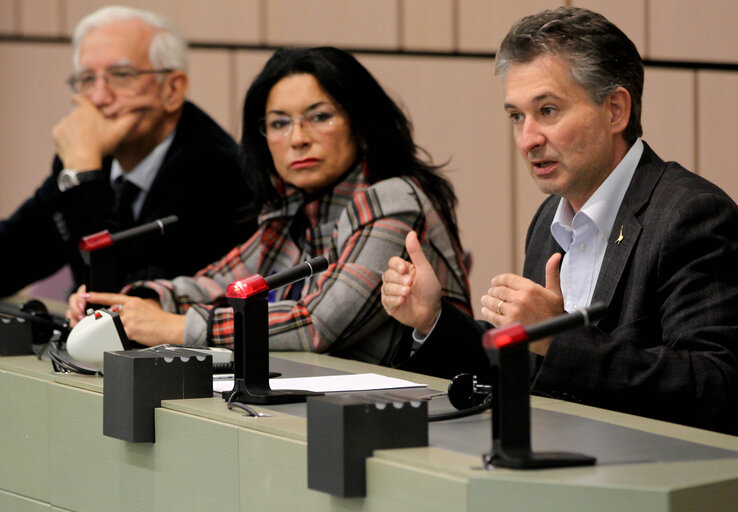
(63, 365)
(463, 413)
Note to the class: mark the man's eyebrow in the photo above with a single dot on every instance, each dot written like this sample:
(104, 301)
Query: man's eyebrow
(538, 99)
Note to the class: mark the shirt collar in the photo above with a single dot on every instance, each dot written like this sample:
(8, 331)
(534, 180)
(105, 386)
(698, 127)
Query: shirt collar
(144, 173)
(602, 207)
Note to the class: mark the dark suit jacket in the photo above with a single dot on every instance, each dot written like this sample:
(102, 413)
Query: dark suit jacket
(199, 180)
(668, 347)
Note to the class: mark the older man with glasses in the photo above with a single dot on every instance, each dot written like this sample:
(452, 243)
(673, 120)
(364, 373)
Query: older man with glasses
(132, 150)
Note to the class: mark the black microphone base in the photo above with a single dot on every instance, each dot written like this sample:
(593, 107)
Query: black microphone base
(536, 460)
(259, 394)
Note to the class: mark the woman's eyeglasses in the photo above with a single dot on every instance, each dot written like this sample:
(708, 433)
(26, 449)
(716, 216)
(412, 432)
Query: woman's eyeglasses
(322, 120)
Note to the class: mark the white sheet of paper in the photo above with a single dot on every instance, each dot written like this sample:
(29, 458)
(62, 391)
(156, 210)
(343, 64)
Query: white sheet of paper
(331, 383)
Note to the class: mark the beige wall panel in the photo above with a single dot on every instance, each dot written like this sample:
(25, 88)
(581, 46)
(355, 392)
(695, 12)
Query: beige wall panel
(211, 85)
(702, 30)
(428, 25)
(669, 115)
(456, 109)
(628, 15)
(483, 23)
(8, 11)
(40, 17)
(226, 21)
(347, 23)
(717, 112)
(229, 21)
(248, 65)
(34, 98)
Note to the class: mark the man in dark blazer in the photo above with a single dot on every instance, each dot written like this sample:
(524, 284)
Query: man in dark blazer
(654, 242)
(130, 129)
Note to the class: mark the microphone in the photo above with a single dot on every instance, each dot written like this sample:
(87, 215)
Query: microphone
(255, 284)
(301, 271)
(104, 238)
(516, 333)
(248, 297)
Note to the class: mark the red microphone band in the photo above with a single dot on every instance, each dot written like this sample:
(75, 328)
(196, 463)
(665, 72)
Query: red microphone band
(96, 241)
(247, 287)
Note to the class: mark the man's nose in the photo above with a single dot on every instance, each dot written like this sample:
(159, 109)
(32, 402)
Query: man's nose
(530, 136)
(100, 93)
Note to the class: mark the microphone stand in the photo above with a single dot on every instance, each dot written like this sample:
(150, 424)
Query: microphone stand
(507, 350)
(249, 299)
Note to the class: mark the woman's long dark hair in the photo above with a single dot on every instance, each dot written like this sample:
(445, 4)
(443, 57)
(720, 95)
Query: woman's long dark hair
(381, 129)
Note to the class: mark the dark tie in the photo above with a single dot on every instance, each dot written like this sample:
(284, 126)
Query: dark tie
(125, 194)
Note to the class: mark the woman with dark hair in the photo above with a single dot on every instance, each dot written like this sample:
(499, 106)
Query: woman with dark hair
(336, 173)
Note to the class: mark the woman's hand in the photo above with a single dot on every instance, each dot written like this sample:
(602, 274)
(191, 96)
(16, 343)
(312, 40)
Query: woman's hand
(143, 319)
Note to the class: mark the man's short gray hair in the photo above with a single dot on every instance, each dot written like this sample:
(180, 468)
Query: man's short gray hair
(600, 55)
(168, 48)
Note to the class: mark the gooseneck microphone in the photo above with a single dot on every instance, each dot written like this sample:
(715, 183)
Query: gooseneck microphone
(248, 297)
(296, 273)
(510, 361)
(255, 283)
(104, 238)
(517, 333)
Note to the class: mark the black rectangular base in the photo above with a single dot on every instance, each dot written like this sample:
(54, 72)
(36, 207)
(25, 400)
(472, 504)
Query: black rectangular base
(135, 383)
(343, 430)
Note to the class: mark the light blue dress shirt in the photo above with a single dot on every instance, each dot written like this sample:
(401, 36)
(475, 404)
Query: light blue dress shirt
(584, 235)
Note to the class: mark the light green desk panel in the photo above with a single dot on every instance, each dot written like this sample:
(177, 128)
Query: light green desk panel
(25, 446)
(192, 466)
(84, 463)
(10, 502)
(274, 477)
(672, 487)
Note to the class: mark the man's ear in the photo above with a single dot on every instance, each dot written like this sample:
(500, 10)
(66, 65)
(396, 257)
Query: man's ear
(618, 103)
(175, 91)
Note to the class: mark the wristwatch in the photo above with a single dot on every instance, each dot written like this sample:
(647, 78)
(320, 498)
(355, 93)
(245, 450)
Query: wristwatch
(70, 178)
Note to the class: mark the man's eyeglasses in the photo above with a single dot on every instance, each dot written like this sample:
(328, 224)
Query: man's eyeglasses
(117, 77)
(323, 119)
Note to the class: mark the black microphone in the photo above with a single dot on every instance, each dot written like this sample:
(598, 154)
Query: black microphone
(104, 238)
(296, 273)
(150, 228)
(561, 323)
(517, 333)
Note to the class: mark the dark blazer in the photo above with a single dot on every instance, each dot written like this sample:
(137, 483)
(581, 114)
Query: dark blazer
(199, 180)
(668, 347)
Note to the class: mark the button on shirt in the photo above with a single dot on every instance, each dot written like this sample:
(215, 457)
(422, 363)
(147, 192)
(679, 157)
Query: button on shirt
(584, 235)
(144, 173)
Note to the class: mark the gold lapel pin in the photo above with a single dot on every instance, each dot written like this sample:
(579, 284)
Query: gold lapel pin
(620, 237)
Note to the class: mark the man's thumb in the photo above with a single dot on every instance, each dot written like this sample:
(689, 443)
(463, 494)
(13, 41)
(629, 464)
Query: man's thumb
(415, 251)
(553, 281)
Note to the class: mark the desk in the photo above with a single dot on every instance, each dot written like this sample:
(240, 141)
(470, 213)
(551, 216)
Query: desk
(54, 457)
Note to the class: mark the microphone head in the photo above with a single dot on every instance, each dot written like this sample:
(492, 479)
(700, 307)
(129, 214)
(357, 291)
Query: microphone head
(318, 264)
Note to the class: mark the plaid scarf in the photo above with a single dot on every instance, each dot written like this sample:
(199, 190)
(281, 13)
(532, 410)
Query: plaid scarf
(357, 227)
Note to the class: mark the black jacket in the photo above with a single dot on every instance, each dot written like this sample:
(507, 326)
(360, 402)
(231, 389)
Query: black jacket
(668, 347)
(199, 181)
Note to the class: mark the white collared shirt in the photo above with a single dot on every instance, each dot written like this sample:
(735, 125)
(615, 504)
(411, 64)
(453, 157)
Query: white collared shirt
(144, 173)
(584, 235)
